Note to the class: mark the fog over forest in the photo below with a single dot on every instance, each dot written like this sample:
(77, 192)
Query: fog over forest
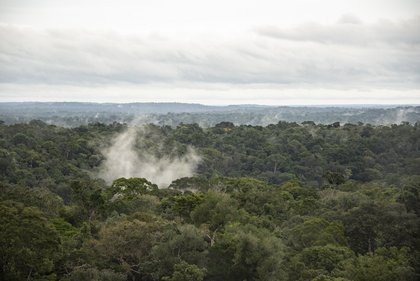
(123, 158)
(172, 114)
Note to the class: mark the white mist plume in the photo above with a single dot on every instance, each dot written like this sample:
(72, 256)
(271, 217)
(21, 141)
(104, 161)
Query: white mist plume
(402, 115)
(123, 160)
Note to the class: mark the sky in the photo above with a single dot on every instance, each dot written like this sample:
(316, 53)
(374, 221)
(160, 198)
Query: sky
(300, 52)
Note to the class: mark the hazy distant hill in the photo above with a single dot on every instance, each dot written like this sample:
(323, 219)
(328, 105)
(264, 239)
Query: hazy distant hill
(77, 107)
(75, 113)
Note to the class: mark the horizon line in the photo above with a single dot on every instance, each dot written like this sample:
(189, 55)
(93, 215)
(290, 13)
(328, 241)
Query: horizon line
(223, 105)
(220, 105)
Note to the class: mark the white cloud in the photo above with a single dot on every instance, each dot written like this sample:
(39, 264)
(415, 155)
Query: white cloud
(351, 30)
(184, 50)
(182, 15)
(339, 56)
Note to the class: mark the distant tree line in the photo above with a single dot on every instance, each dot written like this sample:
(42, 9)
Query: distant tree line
(74, 114)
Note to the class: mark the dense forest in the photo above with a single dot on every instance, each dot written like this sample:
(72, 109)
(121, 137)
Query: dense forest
(286, 201)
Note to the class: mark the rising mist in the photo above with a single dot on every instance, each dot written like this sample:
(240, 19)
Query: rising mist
(123, 159)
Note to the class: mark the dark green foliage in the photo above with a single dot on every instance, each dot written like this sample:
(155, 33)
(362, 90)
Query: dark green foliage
(184, 204)
(385, 265)
(131, 187)
(186, 272)
(283, 202)
(191, 184)
(324, 259)
(182, 243)
(316, 232)
(245, 252)
(29, 244)
(93, 274)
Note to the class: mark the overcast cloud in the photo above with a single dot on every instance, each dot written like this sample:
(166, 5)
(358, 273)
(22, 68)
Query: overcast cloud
(345, 59)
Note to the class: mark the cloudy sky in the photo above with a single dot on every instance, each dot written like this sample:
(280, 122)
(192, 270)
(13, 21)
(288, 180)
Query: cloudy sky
(211, 52)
